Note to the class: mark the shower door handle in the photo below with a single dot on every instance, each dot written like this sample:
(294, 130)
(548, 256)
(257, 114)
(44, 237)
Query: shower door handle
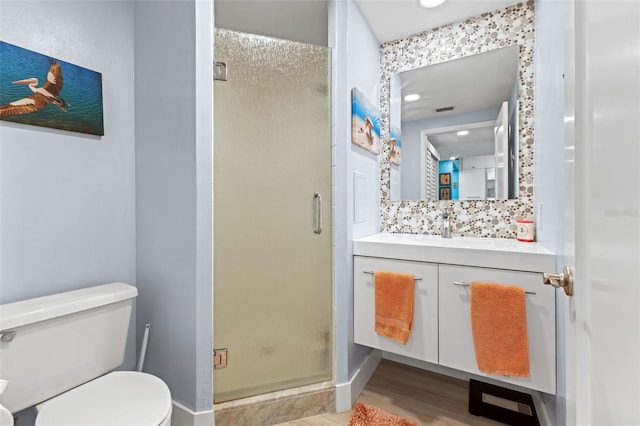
(317, 216)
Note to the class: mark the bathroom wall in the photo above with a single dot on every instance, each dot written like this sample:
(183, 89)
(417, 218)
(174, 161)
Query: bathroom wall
(72, 205)
(550, 167)
(67, 200)
(173, 106)
(356, 63)
(549, 119)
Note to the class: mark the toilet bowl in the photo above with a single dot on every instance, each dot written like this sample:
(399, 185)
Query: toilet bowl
(124, 398)
(58, 353)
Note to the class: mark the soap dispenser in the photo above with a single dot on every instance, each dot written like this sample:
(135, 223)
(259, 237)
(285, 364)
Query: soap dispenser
(446, 223)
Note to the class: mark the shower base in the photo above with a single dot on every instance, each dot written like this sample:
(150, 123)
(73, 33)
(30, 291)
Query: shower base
(277, 407)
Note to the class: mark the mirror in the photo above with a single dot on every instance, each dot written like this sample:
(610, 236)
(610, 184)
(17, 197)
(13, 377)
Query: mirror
(458, 133)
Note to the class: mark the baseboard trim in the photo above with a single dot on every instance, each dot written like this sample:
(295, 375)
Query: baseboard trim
(183, 416)
(348, 393)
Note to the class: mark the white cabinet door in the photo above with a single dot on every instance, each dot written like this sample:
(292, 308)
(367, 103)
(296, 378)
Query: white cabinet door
(473, 184)
(456, 341)
(423, 341)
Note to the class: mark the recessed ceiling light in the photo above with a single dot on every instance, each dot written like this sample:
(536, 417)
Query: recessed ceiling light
(463, 133)
(431, 3)
(412, 97)
(452, 158)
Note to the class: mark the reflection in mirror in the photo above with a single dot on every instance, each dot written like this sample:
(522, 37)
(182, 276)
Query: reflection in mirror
(461, 128)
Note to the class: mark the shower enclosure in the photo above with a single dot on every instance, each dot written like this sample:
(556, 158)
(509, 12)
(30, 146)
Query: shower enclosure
(272, 215)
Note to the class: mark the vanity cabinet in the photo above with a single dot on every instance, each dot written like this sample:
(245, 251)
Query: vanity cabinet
(423, 340)
(441, 331)
(456, 341)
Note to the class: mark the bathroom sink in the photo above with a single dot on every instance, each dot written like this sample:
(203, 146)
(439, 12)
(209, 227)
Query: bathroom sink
(485, 252)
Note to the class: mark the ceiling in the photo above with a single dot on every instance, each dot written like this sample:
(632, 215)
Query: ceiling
(479, 141)
(393, 19)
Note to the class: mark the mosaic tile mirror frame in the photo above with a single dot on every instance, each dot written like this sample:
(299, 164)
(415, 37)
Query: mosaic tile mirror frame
(513, 25)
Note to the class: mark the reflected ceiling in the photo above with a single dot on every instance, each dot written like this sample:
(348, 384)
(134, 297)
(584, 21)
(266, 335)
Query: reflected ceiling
(453, 84)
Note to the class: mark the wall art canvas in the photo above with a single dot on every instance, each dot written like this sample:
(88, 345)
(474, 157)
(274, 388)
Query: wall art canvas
(396, 145)
(365, 122)
(445, 193)
(43, 91)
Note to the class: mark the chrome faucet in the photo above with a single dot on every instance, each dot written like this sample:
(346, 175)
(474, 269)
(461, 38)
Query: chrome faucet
(446, 223)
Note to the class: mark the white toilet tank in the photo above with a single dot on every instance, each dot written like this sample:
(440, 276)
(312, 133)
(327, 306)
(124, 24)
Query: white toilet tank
(51, 344)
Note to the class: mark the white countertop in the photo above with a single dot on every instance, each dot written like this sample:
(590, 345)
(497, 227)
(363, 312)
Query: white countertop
(484, 252)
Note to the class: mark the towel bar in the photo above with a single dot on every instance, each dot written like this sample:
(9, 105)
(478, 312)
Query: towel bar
(372, 273)
(463, 284)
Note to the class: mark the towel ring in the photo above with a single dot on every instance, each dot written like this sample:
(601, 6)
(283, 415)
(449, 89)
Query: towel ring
(373, 273)
(463, 284)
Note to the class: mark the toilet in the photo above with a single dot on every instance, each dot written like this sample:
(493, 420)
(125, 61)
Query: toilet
(58, 354)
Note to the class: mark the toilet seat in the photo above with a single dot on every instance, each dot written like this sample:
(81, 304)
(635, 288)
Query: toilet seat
(122, 398)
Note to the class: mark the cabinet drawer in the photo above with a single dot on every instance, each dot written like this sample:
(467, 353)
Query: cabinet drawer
(423, 340)
(456, 341)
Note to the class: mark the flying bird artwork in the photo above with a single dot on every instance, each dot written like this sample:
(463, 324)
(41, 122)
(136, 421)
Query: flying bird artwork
(49, 93)
(44, 91)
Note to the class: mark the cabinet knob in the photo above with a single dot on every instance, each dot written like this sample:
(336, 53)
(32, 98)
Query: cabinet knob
(564, 280)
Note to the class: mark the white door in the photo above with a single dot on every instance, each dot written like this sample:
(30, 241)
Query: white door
(502, 152)
(473, 185)
(603, 242)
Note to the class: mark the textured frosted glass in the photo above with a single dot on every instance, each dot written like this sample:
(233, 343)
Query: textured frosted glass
(273, 284)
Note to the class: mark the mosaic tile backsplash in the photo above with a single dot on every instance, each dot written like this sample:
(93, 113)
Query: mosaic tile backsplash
(496, 219)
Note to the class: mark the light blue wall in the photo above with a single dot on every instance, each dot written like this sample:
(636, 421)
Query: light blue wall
(549, 158)
(174, 193)
(67, 200)
(452, 167)
(410, 166)
(549, 122)
(363, 65)
(356, 63)
(70, 203)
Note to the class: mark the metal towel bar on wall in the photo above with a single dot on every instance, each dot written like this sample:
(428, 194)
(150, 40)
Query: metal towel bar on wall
(373, 273)
(463, 284)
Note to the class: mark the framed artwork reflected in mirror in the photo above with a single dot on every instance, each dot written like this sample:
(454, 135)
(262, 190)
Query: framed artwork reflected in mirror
(445, 193)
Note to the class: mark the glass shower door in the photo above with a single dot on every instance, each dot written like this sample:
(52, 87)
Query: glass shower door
(272, 194)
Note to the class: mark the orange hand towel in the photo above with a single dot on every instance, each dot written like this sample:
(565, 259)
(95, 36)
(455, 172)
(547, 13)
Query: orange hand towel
(499, 326)
(394, 305)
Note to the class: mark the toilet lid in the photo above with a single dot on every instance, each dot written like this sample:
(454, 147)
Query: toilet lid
(123, 398)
